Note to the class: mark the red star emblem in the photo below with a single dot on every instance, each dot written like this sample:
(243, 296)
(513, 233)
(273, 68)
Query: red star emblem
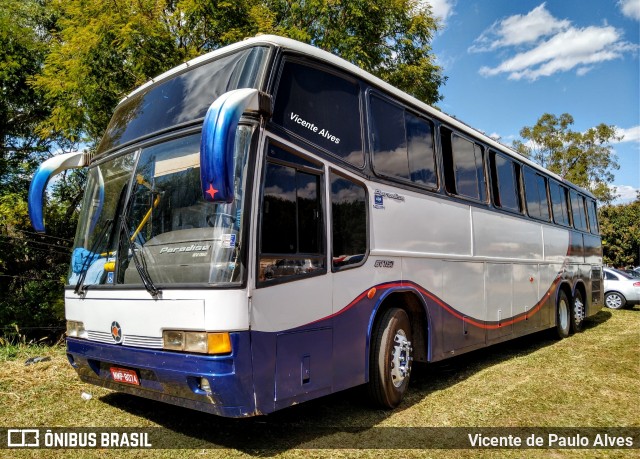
(212, 191)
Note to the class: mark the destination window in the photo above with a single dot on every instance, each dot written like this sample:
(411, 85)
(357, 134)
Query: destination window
(321, 108)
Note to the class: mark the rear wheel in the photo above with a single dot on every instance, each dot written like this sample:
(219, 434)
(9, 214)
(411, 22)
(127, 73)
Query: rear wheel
(614, 300)
(563, 320)
(391, 358)
(578, 313)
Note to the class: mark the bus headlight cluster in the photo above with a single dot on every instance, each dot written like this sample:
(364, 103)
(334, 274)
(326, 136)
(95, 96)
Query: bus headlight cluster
(200, 342)
(75, 329)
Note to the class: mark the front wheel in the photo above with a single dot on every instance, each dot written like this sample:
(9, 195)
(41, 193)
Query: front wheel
(391, 358)
(614, 300)
(563, 320)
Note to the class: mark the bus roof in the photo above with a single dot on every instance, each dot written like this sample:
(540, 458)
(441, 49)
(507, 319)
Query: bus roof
(321, 55)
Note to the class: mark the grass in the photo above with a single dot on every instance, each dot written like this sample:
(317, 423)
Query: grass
(591, 379)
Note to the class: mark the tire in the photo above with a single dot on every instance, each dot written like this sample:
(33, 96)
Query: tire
(390, 358)
(578, 313)
(614, 300)
(563, 316)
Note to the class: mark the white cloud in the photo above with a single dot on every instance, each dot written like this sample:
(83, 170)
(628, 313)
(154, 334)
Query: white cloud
(441, 9)
(519, 29)
(629, 135)
(626, 193)
(547, 45)
(630, 8)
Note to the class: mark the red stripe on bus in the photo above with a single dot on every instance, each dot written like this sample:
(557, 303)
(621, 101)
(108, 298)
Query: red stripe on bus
(445, 306)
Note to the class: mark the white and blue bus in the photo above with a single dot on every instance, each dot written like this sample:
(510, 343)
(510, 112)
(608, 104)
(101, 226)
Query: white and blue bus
(267, 224)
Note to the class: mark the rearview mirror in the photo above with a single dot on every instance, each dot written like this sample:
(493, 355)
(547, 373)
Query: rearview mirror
(48, 169)
(218, 139)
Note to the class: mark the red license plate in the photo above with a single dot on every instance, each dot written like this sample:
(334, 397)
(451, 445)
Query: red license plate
(125, 376)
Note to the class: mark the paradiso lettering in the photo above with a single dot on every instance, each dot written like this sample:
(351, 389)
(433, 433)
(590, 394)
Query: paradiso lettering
(313, 128)
(190, 248)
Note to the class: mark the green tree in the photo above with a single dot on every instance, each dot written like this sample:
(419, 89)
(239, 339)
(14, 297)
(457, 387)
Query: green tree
(584, 158)
(389, 38)
(620, 229)
(31, 266)
(32, 270)
(104, 49)
(23, 47)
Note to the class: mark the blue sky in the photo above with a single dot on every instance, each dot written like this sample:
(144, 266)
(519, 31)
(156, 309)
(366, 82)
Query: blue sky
(508, 62)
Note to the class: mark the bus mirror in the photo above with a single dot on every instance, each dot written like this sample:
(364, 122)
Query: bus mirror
(48, 169)
(218, 140)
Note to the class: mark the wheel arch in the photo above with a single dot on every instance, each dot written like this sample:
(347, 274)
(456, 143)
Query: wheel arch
(565, 287)
(414, 305)
(580, 287)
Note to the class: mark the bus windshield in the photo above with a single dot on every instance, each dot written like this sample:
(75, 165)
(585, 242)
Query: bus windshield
(148, 204)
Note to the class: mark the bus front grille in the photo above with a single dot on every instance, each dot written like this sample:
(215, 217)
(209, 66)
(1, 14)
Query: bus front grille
(150, 342)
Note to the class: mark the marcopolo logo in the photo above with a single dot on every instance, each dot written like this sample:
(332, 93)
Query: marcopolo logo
(116, 331)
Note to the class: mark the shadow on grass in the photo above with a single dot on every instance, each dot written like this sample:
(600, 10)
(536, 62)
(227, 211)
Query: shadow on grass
(324, 422)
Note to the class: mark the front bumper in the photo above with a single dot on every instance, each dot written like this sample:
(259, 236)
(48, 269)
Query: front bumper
(173, 377)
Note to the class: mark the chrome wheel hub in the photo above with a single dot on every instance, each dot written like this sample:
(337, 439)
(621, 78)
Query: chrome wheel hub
(578, 311)
(401, 358)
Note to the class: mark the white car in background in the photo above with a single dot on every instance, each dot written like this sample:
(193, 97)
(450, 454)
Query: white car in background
(620, 289)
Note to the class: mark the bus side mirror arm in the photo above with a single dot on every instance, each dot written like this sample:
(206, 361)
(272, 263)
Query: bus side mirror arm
(217, 146)
(45, 171)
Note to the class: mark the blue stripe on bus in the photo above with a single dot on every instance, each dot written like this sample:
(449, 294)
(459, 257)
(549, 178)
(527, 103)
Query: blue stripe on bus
(266, 370)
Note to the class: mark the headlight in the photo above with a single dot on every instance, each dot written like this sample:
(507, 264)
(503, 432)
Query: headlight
(173, 340)
(200, 342)
(75, 329)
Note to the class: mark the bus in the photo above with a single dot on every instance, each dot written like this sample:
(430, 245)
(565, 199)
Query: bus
(267, 224)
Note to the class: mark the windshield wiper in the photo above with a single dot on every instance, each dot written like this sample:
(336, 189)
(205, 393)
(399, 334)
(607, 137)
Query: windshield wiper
(80, 287)
(140, 266)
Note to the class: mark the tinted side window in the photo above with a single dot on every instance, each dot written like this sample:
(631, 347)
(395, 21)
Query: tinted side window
(292, 241)
(467, 168)
(349, 221)
(504, 182)
(593, 217)
(422, 161)
(402, 143)
(536, 195)
(579, 217)
(322, 108)
(559, 203)
(389, 139)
